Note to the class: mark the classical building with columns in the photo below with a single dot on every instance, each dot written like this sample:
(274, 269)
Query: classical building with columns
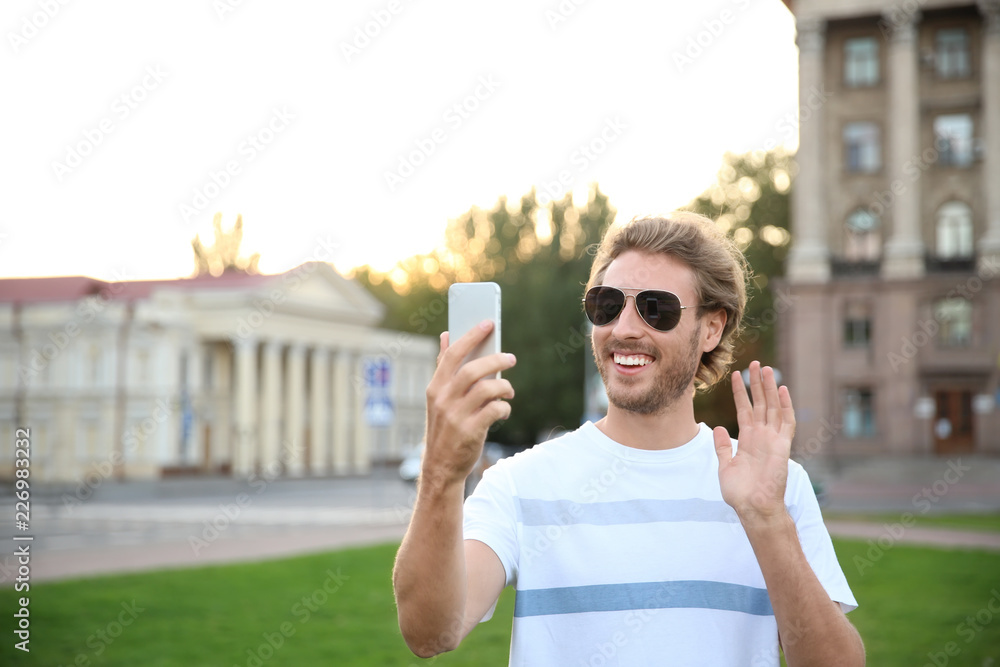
(891, 345)
(282, 374)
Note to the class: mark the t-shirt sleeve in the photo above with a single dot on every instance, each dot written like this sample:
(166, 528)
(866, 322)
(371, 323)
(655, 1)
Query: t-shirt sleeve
(490, 516)
(814, 537)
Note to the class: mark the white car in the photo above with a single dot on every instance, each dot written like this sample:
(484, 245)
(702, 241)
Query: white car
(409, 469)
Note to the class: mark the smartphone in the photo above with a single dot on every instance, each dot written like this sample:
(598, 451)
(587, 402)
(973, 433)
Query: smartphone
(468, 305)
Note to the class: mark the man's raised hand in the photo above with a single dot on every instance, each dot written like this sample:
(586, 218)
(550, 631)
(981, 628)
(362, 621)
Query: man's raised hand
(463, 401)
(753, 481)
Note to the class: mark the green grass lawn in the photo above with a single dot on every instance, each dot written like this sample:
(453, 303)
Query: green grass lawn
(913, 602)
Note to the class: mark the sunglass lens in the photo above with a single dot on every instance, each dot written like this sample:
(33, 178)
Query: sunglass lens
(603, 304)
(661, 310)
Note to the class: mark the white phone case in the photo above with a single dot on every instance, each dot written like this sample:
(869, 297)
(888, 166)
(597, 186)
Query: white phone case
(468, 305)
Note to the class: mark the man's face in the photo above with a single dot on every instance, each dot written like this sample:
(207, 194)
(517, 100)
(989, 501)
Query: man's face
(644, 370)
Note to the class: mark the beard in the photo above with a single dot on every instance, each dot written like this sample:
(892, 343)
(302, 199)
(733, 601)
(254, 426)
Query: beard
(671, 382)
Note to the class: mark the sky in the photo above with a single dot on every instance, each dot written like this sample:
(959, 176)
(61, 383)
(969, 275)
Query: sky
(352, 132)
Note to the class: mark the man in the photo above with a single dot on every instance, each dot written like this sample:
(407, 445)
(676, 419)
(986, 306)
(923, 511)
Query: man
(646, 538)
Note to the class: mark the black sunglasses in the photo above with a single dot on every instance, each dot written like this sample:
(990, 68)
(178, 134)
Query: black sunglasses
(657, 308)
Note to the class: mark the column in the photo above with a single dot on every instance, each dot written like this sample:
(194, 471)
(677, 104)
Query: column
(294, 410)
(809, 257)
(904, 251)
(270, 409)
(196, 398)
(989, 244)
(342, 391)
(362, 432)
(244, 393)
(319, 412)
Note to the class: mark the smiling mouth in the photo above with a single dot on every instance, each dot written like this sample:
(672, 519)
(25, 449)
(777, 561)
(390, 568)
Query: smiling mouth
(632, 359)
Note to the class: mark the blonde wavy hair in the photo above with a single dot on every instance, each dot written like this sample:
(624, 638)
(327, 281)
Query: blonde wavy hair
(720, 269)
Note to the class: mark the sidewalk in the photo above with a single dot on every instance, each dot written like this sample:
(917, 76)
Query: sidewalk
(138, 526)
(56, 565)
(944, 538)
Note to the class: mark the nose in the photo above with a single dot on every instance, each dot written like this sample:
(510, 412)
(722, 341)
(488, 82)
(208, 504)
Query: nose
(629, 324)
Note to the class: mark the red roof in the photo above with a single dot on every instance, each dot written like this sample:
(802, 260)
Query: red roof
(74, 288)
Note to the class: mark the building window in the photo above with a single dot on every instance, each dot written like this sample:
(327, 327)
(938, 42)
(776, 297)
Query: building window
(857, 325)
(954, 231)
(861, 62)
(954, 318)
(951, 53)
(953, 140)
(859, 413)
(863, 241)
(862, 146)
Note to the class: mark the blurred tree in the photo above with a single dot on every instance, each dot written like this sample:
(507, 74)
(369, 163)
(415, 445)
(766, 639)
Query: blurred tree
(749, 201)
(539, 257)
(224, 253)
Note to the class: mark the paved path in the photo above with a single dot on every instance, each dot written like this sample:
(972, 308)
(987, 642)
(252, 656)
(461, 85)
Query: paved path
(189, 523)
(95, 561)
(136, 526)
(933, 537)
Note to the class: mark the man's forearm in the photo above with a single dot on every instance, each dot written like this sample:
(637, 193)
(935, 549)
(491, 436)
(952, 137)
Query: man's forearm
(812, 628)
(429, 576)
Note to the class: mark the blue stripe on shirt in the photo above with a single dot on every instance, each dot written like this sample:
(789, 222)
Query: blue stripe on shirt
(533, 512)
(649, 595)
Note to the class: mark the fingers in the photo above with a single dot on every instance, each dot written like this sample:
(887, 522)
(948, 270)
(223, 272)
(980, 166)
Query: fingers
(787, 413)
(757, 392)
(723, 445)
(484, 367)
(772, 402)
(453, 352)
(744, 411)
(770, 405)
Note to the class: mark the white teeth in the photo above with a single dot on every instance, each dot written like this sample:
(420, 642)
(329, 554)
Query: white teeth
(630, 360)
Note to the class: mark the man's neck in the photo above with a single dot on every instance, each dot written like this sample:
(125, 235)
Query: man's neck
(669, 428)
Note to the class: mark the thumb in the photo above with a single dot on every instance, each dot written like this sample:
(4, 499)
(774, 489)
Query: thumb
(723, 445)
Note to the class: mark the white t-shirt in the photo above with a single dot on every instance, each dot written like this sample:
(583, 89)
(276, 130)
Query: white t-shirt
(622, 556)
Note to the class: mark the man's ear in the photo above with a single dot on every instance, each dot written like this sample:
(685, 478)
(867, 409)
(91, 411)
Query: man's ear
(713, 324)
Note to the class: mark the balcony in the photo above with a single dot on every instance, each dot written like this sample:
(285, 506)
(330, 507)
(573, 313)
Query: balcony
(852, 268)
(934, 264)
